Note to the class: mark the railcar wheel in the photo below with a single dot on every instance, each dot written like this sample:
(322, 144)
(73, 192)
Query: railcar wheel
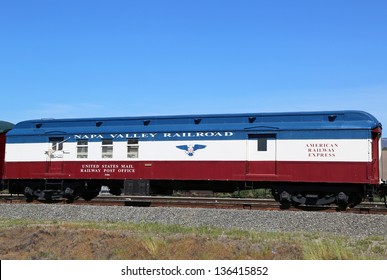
(342, 207)
(342, 201)
(285, 206)
(285, 200)
(115, 191)
(29, 194)
(70, 194)
(90, 192)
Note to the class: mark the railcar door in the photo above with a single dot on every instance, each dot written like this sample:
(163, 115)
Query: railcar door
(374, 167)
(55, 155)
(261, 154)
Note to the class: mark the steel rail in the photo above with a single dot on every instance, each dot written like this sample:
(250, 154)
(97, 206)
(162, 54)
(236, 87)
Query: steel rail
(206, 202)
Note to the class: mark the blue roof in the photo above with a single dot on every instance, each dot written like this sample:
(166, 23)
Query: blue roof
(297, 122)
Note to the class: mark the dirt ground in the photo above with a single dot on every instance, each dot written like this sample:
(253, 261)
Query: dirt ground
(66, 243)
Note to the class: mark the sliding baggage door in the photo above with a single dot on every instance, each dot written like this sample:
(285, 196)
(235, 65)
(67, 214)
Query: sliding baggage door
(261, 154)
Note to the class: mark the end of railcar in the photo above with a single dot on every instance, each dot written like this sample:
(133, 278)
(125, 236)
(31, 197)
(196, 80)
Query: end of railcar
(4, 128)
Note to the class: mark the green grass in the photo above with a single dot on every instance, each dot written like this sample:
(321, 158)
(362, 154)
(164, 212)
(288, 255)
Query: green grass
(24, 239)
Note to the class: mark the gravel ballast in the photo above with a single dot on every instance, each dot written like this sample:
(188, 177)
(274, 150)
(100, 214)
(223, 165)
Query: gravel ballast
(252, 220)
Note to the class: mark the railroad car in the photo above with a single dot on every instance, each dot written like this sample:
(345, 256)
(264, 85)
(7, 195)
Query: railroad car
(4, 128)
(312, 158)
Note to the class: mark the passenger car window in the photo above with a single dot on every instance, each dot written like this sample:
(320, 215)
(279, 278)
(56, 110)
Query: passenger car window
(133, 148)
(107, 148)
(82, 148)
(56, 143)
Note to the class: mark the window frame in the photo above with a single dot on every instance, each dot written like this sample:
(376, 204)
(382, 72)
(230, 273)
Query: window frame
(81, 146)
(56, 143)
(132, 148)
(107, 148)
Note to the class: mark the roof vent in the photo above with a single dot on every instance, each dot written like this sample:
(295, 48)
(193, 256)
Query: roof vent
(98, 124)
(38, 125)
(146, 122)
(332, 118)
(198, 120)
(252, 119)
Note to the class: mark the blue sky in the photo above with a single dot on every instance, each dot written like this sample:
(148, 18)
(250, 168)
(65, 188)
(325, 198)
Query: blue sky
(81, 58)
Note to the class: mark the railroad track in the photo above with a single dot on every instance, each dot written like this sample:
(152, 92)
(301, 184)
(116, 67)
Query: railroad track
(206, 202)
(165, 201)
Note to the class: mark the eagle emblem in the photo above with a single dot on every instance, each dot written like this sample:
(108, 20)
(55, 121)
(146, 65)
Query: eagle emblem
(191, 149)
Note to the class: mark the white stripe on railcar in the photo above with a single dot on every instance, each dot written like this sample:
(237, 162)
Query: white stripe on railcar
(336, 150)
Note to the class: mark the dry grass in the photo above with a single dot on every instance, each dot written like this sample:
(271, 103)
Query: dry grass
(91, 241)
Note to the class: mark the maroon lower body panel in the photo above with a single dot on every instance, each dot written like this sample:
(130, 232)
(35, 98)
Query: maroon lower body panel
(326, 172)
(2, 152)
